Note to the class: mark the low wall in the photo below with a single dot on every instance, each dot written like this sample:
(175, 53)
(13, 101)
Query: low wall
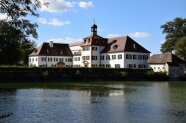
(16, 74)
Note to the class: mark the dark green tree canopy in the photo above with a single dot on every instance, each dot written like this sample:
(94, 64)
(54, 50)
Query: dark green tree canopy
(174, 30)
(17, 30)
(180, 48)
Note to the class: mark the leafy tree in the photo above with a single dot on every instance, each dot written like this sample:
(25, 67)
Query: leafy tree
(26, 47)
(180, 48)
(174, 30)
(9, 44)
(16, 11)
(17, 30)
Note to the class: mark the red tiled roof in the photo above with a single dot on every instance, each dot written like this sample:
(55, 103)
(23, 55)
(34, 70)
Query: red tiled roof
(57, 50)
(75, 44)
(123, 44)
(164, 58)
(95, 40)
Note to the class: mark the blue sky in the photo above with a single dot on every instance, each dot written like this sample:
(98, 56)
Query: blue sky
(69, 21)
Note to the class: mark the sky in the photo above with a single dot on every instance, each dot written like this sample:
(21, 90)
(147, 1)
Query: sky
(69, 21)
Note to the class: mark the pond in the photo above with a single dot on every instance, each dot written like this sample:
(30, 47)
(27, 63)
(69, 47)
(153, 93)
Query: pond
(154, 102)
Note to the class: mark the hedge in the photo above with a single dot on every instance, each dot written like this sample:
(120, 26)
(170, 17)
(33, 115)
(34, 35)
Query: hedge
(36, 74)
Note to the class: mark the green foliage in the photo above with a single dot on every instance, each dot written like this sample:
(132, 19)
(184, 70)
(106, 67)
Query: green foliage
(181, 48)
(14, 47)
(16, 31)
(174, 30)
(9, 40)
(16, 11)
(26, 47)
(160, 76)
(77, 74)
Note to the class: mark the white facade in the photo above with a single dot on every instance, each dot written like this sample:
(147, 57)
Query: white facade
(171, 71)
(49, 61)
(94, 58)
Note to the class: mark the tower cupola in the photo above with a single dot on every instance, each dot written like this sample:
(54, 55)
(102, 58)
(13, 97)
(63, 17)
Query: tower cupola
(94, 29)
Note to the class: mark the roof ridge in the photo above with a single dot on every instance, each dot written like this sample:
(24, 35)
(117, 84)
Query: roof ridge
(117, 37)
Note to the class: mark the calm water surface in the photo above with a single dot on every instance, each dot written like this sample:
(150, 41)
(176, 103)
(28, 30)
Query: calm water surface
(105, 103)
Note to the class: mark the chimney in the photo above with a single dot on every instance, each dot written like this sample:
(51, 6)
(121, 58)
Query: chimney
(51, 43)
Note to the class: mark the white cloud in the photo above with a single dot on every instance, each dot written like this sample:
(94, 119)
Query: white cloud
(61, 6)
(67, 40)
(54, 22)
(56, 5)
(113, 35)
(43, 20)
(139, 34)
(85, 4)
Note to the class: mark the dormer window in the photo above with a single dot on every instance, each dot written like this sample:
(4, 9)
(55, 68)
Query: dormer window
(61, 52)
(35, 51)
(84, 41)
(115, 46)
(48, 51)
(134, 46)
(88, 40)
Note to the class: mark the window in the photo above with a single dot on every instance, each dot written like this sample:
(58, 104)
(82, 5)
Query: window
(43, 59)
(145, 57)
(86, 48)
(139, 57)
(142, 66)
(102, 65)
(76, 58)
(94, 57)
(117, 65)
(119, 56)
(60, 59)
(132, 66)
(57, 59)
(115, 46)
(94, 65)
(68, 59)
(36, 59)
(86, 58)
(102, 57)
(107, 65)
(107, 57)
(94, 48)
(32, 59)
(128, 56)
(113, 56)
(134, 56)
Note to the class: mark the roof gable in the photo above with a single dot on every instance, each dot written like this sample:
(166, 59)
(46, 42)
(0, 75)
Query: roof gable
(57, 50)
(123, 44)
(164, 58)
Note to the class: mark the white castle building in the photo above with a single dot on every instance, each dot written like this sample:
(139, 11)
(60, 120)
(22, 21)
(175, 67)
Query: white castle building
(93, 51)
